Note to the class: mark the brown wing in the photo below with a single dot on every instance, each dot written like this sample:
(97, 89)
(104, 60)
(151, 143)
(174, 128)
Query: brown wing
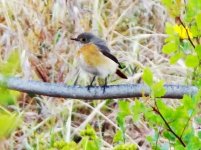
(105, 51)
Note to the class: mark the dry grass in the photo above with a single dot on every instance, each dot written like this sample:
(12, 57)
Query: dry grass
(40, 31)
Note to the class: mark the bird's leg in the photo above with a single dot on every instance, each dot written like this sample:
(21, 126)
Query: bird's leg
(91, 83)
(104, 86)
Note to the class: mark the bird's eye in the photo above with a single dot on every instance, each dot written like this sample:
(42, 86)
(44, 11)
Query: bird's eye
(83, 40)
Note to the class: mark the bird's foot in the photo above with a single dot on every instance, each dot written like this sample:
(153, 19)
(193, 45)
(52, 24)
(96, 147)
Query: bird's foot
(104, 87)
(88, 87)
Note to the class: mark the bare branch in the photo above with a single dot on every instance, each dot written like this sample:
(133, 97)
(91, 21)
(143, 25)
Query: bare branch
(96, 92)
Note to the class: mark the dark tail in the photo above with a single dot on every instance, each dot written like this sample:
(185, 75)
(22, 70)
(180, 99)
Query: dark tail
(121, 74)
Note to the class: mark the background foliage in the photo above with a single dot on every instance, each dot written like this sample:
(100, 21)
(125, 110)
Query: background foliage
(158, 42)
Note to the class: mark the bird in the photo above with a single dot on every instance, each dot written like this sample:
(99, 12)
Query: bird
(94, 57)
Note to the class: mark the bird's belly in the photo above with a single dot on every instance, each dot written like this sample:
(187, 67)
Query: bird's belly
(98, 65)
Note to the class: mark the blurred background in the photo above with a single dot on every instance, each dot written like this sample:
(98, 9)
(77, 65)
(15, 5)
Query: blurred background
(39, 31)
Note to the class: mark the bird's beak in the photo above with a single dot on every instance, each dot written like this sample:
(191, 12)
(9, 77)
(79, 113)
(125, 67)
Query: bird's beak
(74, 39)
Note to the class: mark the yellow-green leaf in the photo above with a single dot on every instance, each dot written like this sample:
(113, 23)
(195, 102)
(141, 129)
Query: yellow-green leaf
(147, 76)
(192, 61)
(12, 65)
(8, 123)
(198, 21)
(169, 47)
(198, 51)
(175, 58)
(158, 89)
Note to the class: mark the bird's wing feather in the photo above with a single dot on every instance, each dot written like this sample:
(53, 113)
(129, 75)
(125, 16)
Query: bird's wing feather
(105, 51)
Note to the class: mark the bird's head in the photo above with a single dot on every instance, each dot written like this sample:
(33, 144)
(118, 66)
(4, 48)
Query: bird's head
(87, 37)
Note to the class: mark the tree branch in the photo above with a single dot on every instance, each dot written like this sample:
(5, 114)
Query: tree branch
(96, 92)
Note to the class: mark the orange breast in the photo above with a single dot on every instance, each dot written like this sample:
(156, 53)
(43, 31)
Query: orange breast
(91, 55)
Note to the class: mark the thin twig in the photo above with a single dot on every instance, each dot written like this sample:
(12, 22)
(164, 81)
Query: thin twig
(95, 92)
(186, 32)
(168, 126)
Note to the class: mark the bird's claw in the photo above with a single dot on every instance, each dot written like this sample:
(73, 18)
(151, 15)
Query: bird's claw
(88, 87)
(104, 87)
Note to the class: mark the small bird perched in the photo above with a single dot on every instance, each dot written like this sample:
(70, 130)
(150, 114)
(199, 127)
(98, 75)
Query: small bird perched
(94, 57)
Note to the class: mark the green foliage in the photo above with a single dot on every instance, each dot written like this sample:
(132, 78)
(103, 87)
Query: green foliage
(8, 123)
(192, 61)
(9, 68)
(198, 51)
(171, 123)
(124, 108)
(12, 65)
(7, 97)
(169, 48)
(174, 6)
(126, 146)
(137, 109)
(124, 111)
(158, 89)
(62, 145)
(175, 57)
(183, 41)
(119, 137)
(194, 10)
(147, 76)
(89, 139)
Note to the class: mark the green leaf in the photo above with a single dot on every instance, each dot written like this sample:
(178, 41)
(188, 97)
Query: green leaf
(194, 30)
(121, 121)
(89, 139)
(88, 144)
(198, 51)
(124, 107)
(199, 134)
(8, 97)
(191, 61)
(193, 7)
(62, 145)
(169, 135)
(12, 65)
(188, 103)
(169, 28)
(175, 58)
(167, 111)
(8, 123)
(198, 21)
(158, 89)
(167, 3)
(89, 132)
(152, 118)
(174, 7)
(147, 76)
(126, 146)
(169, 47)
(118, 137)
(194, 142)
(137, 109)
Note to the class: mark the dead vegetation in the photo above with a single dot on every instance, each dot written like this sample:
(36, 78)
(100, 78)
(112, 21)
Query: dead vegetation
(40, 31)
